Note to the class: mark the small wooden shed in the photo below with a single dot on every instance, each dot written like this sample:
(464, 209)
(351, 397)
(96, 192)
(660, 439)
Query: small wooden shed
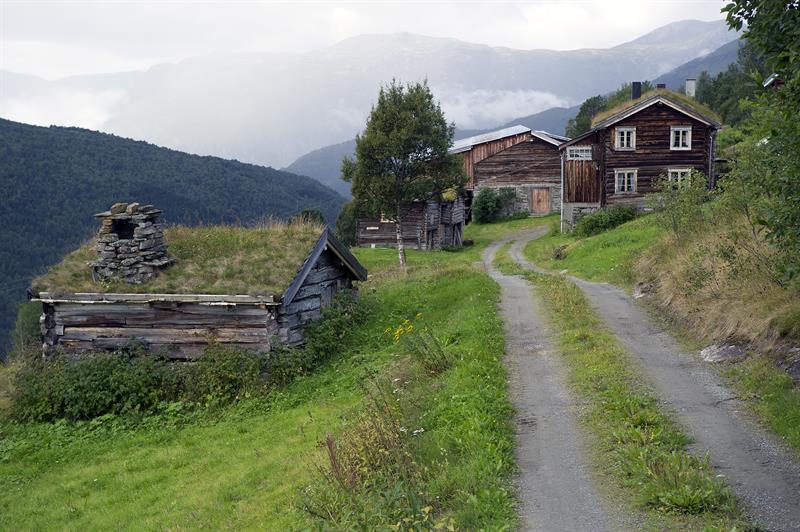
(428, 225)
(182, 324)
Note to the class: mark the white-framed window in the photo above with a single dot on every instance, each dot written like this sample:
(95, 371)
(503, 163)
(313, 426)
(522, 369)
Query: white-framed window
(625, 138)
(579, 153)
(680, 138)
(625, 180)
(385, 219)
(678, 175)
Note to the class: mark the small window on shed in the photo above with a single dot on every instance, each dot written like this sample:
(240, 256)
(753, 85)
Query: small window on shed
(579, 153)
(625, 180)
(680, 138)
(625, 138)
(385, 219)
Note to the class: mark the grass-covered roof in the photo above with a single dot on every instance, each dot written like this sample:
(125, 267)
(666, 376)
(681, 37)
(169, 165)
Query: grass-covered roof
(680, 99)
(223, 259)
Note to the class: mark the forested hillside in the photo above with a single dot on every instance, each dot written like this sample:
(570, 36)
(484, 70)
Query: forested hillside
(54, 179)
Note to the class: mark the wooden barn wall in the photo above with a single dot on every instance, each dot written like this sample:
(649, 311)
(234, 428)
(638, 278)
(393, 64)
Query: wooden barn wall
(480, 152)
(327, 277)
(183, 329)
(530, 162)
(653, 156)
(426, 225)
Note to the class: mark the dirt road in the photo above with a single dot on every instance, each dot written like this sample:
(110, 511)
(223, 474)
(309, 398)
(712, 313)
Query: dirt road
(761, 470)
(554, 486)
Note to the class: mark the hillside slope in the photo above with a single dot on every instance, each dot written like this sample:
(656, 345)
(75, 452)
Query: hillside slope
(54, 179)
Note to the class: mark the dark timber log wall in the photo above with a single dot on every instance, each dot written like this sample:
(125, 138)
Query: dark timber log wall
(326, 278)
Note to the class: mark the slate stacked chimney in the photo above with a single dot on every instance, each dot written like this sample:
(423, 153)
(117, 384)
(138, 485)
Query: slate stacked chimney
(690, 88)
(130, 244)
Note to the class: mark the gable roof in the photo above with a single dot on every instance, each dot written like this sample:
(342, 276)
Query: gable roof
(466, 144)
(551, 138)
(327, 241)
(636, 106)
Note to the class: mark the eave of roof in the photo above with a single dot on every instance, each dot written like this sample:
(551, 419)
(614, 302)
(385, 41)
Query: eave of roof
(555, 140)
(468, 143)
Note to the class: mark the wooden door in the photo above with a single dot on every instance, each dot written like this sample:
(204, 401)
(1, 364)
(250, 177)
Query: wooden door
(540, 201)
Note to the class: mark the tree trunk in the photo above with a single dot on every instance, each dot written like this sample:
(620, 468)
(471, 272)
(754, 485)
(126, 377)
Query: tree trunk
(398, 227)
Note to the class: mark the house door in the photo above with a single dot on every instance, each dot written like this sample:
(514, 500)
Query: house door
(540, 201)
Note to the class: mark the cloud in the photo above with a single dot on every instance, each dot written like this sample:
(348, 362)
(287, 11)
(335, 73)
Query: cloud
(488, 108)
(63, 106)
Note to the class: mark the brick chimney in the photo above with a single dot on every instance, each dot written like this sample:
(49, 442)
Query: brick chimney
(130, 244)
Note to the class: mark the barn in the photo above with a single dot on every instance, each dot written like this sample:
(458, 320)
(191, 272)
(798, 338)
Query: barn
(429, 225)
(236, 286)
(619, 159)
(518, 159)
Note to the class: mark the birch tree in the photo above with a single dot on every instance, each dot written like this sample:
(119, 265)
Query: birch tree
(402, 155)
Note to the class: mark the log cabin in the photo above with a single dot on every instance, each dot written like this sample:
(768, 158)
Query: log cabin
(427, 225)
(519, 159)
(619, 159)
(257, 286)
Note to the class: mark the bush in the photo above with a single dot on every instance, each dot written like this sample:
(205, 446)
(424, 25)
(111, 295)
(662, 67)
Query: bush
(224, 374)
(486, 207)
(125, 381)
(604, 219)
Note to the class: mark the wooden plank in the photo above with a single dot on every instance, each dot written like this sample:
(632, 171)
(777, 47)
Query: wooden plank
(168, 335)
(101, 298)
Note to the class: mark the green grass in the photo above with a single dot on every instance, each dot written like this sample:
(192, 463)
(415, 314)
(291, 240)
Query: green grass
(222, 259)
(247, 465)
(637, 445)
(607, 257)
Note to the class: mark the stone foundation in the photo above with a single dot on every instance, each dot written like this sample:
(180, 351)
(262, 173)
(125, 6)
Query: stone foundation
(130, 244)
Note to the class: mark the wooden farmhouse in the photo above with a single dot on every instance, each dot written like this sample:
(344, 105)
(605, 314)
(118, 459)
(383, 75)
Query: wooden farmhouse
(618, 160)
(428, 225)
(519, 159)
(243, 287)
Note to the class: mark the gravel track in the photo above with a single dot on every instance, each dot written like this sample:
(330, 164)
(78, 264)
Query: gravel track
(554, 486)
(762, 471)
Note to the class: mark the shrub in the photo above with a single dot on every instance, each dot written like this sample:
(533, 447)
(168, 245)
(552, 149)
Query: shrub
(224, 374)
(679, 206)
(486, 207)
(26, 335)
(604, 219)
(427, 350)
(125, 381)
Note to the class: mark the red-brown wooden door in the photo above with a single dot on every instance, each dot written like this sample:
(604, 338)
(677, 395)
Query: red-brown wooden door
(540, 201)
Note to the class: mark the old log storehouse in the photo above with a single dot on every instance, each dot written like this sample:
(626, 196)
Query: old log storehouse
(182, 324)
(518, 159)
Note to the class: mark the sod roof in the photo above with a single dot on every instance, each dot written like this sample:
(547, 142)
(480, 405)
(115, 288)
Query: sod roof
(689, 104)
(256, 261)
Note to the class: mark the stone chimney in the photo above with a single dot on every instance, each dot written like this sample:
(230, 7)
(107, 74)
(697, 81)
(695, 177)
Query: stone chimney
(130, 244)
(690, 87)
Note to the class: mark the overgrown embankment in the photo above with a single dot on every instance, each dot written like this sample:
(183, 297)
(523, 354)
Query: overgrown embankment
(638, 447)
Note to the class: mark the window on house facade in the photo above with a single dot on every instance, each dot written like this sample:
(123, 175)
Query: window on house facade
(625, 180)
(579, 153)
(680, 138)
(625, 138)
(678, 175)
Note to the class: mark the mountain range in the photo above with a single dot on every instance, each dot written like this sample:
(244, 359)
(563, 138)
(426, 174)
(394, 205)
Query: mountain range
(324, 163)
(270, 108)
(54, 179)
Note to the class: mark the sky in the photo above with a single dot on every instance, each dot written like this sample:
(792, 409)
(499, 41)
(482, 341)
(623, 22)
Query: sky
(58, 39)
